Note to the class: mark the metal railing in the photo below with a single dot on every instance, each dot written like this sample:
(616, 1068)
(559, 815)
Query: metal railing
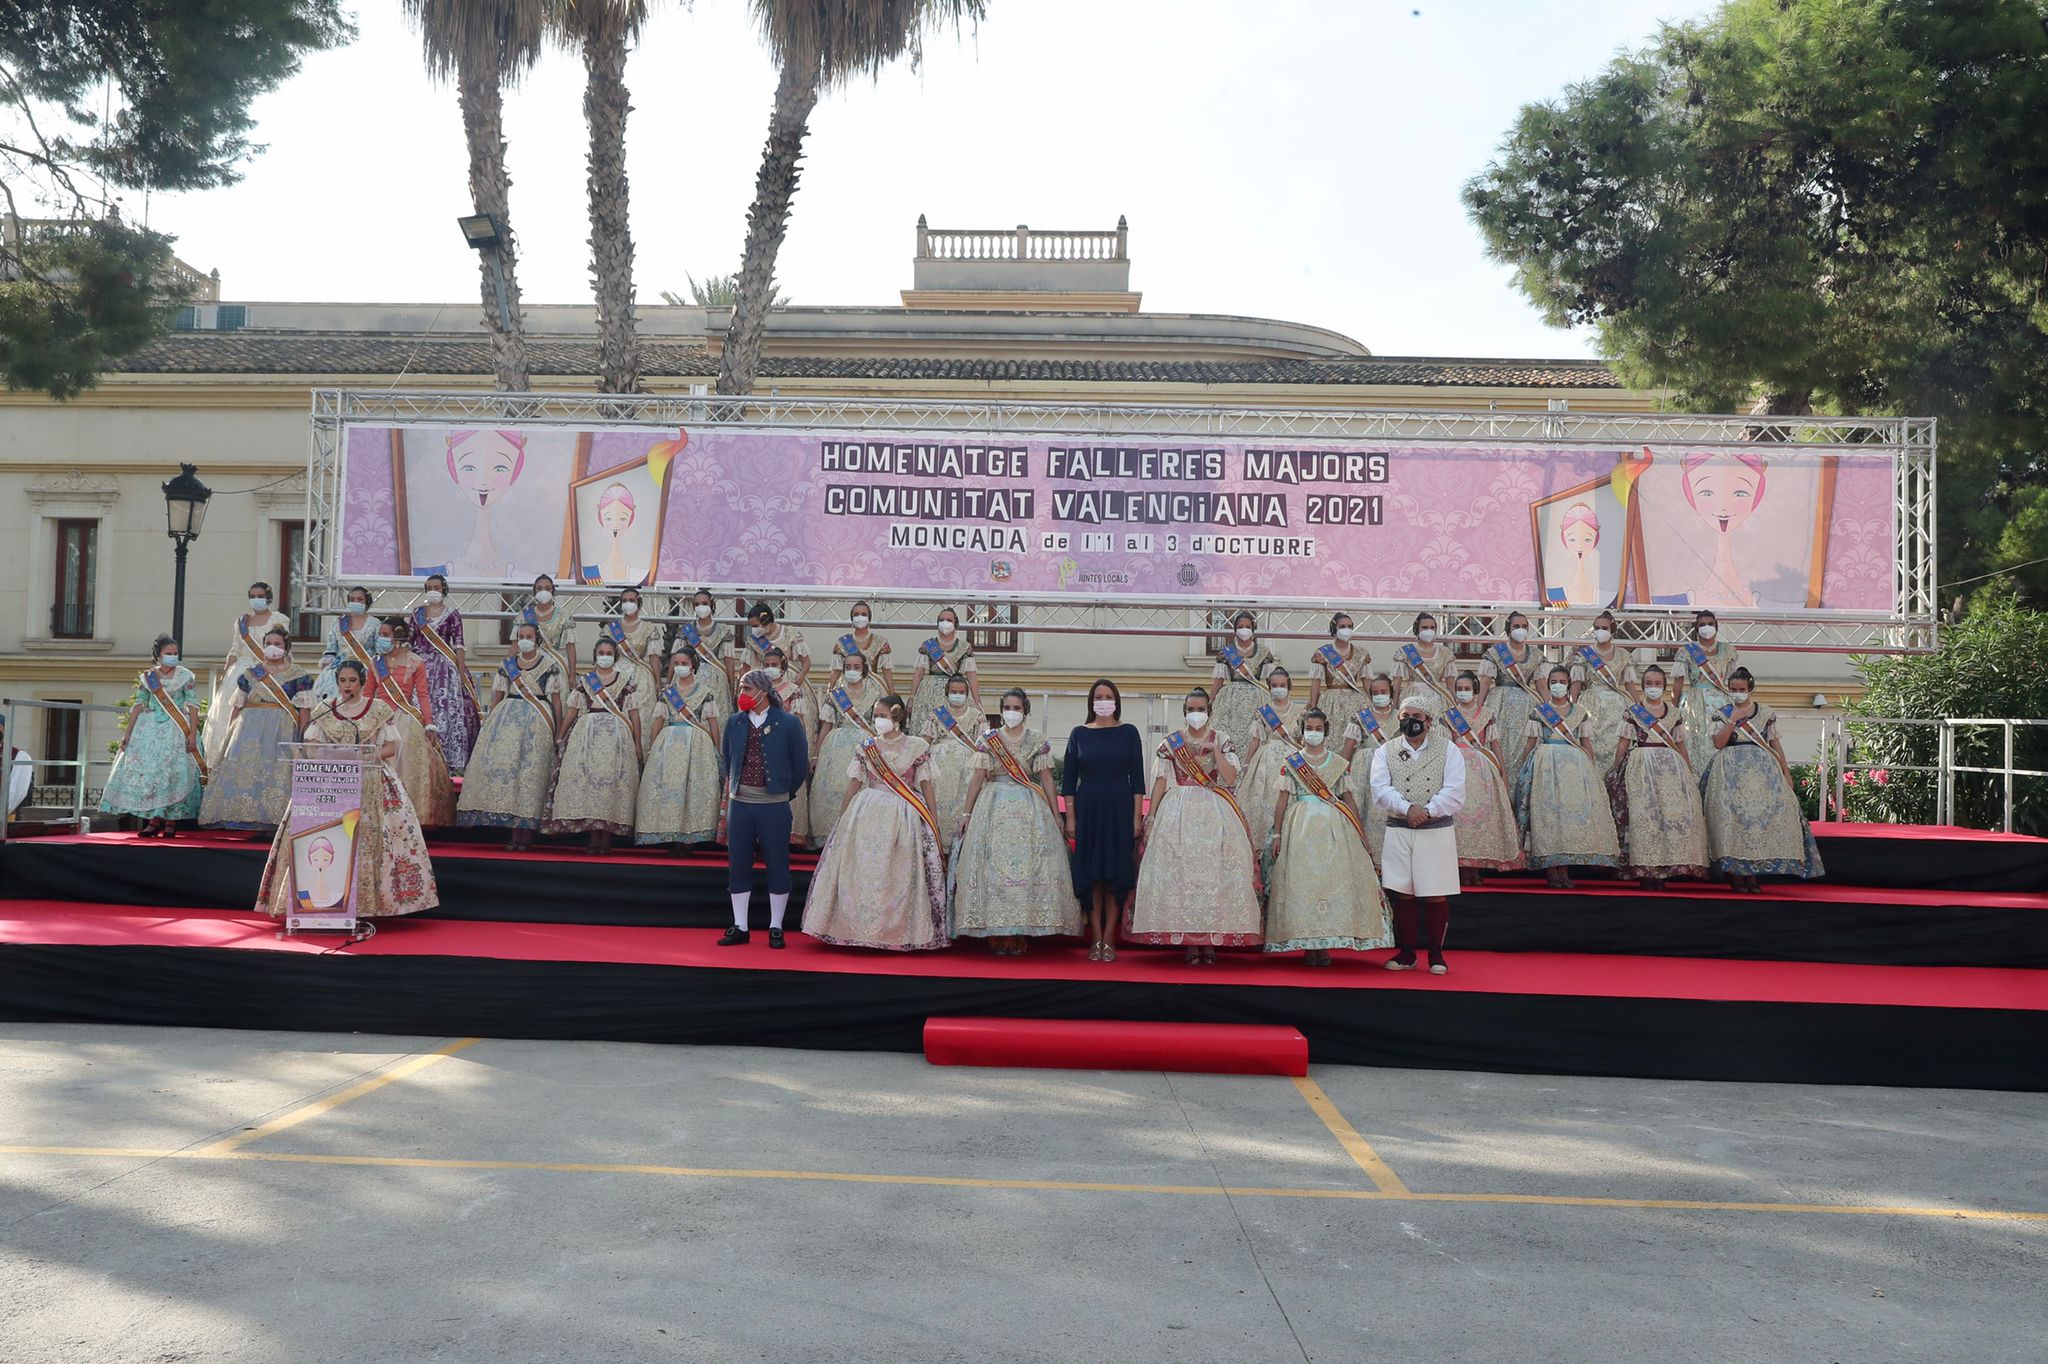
(81, 768)
(1840, 769)
(1022, 243)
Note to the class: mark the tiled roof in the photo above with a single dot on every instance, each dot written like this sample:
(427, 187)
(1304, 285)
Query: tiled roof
(392, 354)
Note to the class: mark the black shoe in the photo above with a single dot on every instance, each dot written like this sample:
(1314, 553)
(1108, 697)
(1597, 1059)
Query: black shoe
(775, 939)
(734, 937)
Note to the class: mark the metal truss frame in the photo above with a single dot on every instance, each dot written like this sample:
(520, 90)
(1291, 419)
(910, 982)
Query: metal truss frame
(1911, 441)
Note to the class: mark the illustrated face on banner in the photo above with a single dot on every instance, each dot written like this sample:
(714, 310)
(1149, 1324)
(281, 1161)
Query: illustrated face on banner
(1730, 530)
(320, 862)
(484, 464)
(475, 503)
(615, 526)
(1581, 544)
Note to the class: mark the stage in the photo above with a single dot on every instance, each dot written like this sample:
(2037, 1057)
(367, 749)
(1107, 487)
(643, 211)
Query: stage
(1878, 982)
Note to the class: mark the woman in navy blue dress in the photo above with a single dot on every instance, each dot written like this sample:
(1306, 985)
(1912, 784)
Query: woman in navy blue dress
(1103, 780)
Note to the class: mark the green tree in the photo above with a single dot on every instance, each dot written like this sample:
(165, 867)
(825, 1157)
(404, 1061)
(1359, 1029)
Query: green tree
(1819, 205)
(486, 45)
(601, 31)
(716, 291)
(817, 44)
(100, 96)
(1990, 664)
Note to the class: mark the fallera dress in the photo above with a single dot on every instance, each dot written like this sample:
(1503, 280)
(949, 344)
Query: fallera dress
(513, 764)
(955, 755)
(597, 775)
(1235, 694)
(1754, 824)
(245, 653)
(448, 690)
(880, 882)
(1561, 798)
(1010, 876)
(843, 734)
(1196, 882)
(155, 777)
(1488, 837)
(1325, 893)
(252, 784)
(1656, 802)
(680, 795)
(928, 680)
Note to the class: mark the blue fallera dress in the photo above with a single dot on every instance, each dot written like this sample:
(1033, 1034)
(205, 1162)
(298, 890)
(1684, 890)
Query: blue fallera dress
(1104, 769)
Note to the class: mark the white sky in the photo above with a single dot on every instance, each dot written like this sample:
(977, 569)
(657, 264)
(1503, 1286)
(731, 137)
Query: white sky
(1286, 159)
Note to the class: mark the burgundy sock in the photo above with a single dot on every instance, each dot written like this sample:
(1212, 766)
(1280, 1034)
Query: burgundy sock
(1404, 928)
(1439, 926)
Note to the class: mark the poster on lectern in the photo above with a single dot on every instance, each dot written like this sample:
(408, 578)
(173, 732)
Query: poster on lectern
(320, 833)
(1785, 530)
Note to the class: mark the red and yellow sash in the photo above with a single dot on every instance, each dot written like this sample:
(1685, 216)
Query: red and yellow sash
(153, 686)
(879, 765)
(424, 628)
(1016, 770)
(367, 659)
(1312, 781)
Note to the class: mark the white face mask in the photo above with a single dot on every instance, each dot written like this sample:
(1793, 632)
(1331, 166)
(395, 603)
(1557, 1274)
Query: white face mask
(1197, 718)
(1602, 636)
(1314, 738)
(1105, 708)
(703, 613)
(1560, 689)
(273, 652)
(1709, 631)
(1344, 633)
(605, 662)
(259, 603)
(854, 675)
(947, 627)
(436, 598)
(956, 701)
(1012, 719)
(1426, 635)
(527, 646)
(631, 608)
(1279, 693)
(168, 661)
(1653, 692)
(860, 622)
(359, 608)
(1520, 634)
(1244, 634)
(1380, 699)
(543, 597)
(774, 674)
(682, 669)
(1741, 698)
(884, 725)
(1464, 696)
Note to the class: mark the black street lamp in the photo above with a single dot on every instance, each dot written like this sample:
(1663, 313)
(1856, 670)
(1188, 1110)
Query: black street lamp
(185, 499)
(486, 235)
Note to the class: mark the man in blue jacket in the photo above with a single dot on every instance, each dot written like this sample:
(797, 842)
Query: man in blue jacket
(767, 757)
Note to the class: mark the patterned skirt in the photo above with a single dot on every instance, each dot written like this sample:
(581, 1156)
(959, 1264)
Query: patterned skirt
(1325, 893)
(1754, 827)
(597, 779)
(1196, 882)
(506, 783)
(1009, 878)
(679, 791)
(1488, 837)
(879, 881)
(1561, 808)
(1657, 813)
(394, 874)
(252, 786)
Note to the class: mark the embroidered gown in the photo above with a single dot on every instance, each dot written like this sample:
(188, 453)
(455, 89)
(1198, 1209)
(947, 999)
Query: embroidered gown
(1599, 696)
(155, 777)
(1561, 799)
(1010, 878)
(797, 701)
(334, 648)
(928, 684)
(953, 763)
(875, 650)
(1432, 679)
(879, 881)
(1195, 881)
(421, 766)
(394, 875)
(512, 767)
(640, 655)
(448, 690)
(1234, 702)
(1336, 697)
(1656, 803)
(1508, 701)
(1325, 893)
(836, 750)
(252, 784)
(242, 656)
(1264, 768)
(680, 788)
(1754, 824)
(1358, 779)
(1488, 837)
(597, 774)
(1703, 699)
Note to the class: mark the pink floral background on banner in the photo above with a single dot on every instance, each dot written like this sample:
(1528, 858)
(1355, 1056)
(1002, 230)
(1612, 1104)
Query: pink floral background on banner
(747, 508)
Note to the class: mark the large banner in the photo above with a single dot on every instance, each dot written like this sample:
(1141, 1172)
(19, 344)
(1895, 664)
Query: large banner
(1746, 528)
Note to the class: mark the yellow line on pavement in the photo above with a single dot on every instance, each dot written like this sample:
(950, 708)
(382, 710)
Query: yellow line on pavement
(1040, 1185)
(1382, 1175)
(304, 1112)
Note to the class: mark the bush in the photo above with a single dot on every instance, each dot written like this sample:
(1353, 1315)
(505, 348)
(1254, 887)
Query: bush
(1994, 662)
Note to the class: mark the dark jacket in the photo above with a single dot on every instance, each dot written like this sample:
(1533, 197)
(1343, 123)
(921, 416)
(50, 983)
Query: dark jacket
(783, 746)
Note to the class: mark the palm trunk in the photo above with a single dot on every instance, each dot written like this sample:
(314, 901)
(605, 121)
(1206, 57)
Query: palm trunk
(796, 94)
(490, 187)
(605, 106)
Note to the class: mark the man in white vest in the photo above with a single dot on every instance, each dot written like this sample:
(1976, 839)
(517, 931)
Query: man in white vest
(1419, 780)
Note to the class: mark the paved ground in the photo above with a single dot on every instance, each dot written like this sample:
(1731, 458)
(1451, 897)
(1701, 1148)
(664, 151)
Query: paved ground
(176, 1195)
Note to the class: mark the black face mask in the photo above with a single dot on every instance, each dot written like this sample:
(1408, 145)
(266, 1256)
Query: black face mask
(1413, 727)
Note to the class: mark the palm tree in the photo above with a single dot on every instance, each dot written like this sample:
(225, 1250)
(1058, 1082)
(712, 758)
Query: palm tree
(487, 45)
(816, 44)
(715, 291)
(601, 29)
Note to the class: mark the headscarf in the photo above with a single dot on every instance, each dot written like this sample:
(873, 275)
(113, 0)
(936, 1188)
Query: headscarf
(760, 680)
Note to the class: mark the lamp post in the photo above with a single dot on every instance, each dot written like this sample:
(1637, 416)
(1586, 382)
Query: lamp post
(484, 233)
(185, 499)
